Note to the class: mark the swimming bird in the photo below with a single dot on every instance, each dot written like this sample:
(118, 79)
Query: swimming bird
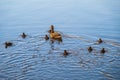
(90, 49)
(55, 35)
(103, 50)
(7, 44)
(65, 53)
(23, 35)
(46, 37)
(100, 40)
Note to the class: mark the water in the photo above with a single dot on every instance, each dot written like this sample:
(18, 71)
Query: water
(81, 23)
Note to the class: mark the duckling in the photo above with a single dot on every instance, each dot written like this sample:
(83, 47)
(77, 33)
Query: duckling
(103, 50)
(46, 37)
(65, 53)
(23, 35)
(100, 40)
(7, 44)
(90, 49)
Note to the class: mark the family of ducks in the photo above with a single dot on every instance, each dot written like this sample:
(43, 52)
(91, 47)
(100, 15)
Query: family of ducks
(55, 36)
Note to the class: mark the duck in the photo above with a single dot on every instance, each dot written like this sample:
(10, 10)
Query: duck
(46, 37)
(90, 49)
(65, 53)
(100, 40)
(103, 50)
(7, 44)
(55, 35)
(23, 35)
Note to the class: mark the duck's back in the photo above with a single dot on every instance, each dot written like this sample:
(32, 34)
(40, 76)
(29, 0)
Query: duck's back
(55, 35)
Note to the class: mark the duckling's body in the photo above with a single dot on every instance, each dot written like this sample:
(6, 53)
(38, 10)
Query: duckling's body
(46, 37)
(90, 49)
(103, 50)
(7, 44)
(100, 40)
(23, 35)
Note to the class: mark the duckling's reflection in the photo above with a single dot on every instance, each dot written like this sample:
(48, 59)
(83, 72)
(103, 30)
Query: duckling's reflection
(52, 44)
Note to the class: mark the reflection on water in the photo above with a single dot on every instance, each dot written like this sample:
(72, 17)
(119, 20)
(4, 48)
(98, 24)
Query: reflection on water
(81, 24)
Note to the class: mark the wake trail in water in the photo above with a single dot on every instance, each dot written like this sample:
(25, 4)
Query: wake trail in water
(110, 42)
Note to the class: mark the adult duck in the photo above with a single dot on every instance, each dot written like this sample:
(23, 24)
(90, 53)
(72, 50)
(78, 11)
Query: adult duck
(54, 34)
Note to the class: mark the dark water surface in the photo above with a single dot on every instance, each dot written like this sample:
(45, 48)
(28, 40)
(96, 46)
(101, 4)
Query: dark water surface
(81, 23)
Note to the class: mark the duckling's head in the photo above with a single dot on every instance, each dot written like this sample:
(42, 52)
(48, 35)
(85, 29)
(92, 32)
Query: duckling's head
(23, 33)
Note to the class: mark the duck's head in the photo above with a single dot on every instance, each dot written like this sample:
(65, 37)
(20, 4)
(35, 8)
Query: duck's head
(52, 27)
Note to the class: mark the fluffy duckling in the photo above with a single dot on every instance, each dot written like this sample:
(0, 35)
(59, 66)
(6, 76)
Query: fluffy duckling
(100, 40)
(65, 53)
(103, 50)
(90, 49)
(23, 35)
(46, 37)
(8, 44)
